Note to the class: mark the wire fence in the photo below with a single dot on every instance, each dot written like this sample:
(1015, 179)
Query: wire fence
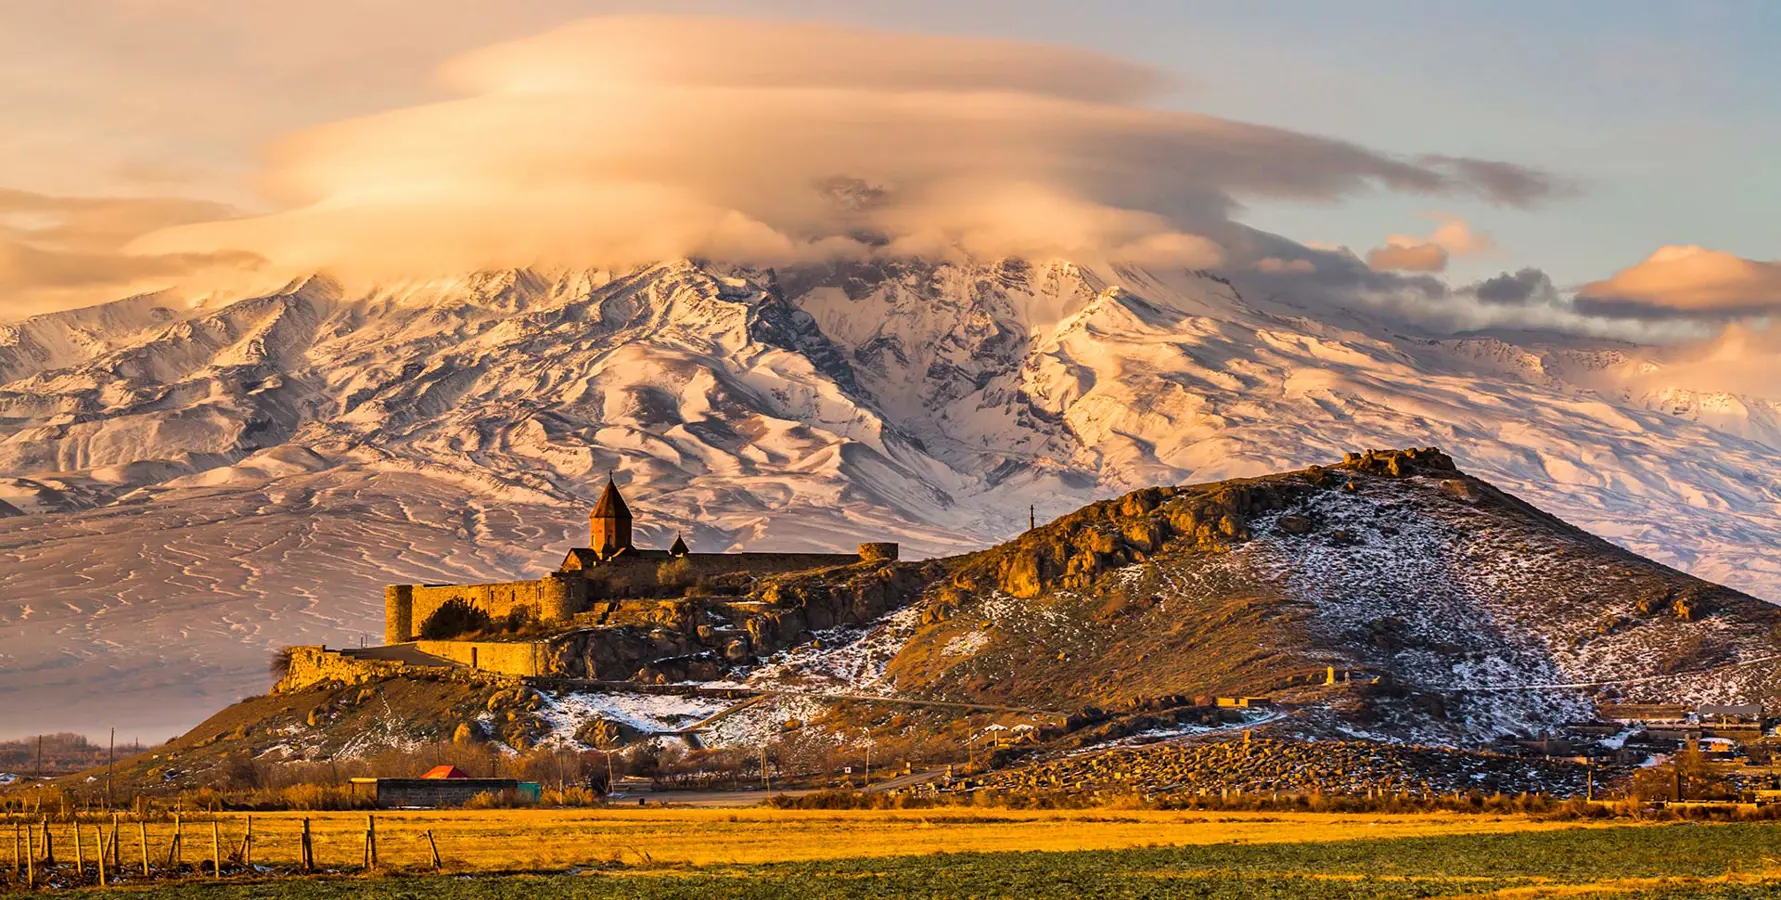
(123, 850)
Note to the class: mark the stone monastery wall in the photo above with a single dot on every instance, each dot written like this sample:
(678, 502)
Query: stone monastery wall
(623, 577)
(559, 596)
(407, 607)
(527, 659)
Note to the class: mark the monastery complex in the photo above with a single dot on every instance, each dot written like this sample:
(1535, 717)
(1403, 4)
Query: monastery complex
(606, 573)
(606, 612)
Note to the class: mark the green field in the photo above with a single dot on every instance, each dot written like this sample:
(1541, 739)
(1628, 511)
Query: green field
(1683, 860)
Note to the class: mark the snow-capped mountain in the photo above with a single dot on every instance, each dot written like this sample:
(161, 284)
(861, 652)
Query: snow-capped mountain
(196, 484)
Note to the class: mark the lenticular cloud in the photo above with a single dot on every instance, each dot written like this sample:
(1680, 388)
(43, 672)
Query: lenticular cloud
(630, 139)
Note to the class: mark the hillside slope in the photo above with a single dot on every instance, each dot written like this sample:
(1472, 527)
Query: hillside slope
(1476, 612)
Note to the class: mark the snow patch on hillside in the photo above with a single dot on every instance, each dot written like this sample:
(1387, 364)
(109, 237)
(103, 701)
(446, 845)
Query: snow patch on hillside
(842, 659)
(649, 714)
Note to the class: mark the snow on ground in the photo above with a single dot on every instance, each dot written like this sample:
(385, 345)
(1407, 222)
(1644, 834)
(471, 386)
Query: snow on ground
(966, 644)
(1185, 731)
(1466, 606)
(389, 732)
(842, 659)
(566, 713)
(760, 723)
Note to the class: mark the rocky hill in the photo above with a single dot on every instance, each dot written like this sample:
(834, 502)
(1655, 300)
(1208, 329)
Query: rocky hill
(185, 486)
(1467, 613)
(1388, 598)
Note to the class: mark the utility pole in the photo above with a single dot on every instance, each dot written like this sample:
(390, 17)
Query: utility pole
(40, 757)
(110, 760)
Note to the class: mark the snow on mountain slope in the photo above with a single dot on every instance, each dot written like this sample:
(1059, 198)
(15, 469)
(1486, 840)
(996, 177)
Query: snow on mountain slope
(1468, 614)
(204, 483)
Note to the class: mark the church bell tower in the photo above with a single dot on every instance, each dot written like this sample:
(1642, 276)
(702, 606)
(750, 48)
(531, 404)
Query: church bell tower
(609, 526)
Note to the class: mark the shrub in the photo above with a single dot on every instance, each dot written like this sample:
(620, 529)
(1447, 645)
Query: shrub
(280, 664)
(675, 575)
(455, 617)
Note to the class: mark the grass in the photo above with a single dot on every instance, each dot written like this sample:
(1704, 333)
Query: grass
(983, 853)
(546, 839)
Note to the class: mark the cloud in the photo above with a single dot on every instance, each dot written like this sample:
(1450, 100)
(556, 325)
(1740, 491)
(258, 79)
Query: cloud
(627, 139)
(1687, 281)
(1739, 360)
(54, 250)
(1417, 256)
(1505, 182)
(1275, 265)
(1526, 286)
(1405, 253)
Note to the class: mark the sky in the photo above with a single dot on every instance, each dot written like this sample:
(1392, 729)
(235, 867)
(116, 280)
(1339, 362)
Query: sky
(1643, 135)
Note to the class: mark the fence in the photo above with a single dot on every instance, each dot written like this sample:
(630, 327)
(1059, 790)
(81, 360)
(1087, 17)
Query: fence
(121, 849)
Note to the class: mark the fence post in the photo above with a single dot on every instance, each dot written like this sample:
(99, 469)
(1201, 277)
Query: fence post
(142, 833)
(117, 854)
(437, 865)
(216, 850)
(49, 845)
(247, 844)
(370, 842)
(173, 849)
(80, 864)
(99, 832)
(30, 861)
(308, 848)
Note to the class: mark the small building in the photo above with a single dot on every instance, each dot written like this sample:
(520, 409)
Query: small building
(442, 787)
(1245, 702)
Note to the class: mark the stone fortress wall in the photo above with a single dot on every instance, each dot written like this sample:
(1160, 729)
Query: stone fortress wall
(562, 595)
(526, 659)
(622, 578)
(555, 597)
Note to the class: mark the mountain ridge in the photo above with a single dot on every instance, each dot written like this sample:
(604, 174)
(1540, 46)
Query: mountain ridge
(352, 437)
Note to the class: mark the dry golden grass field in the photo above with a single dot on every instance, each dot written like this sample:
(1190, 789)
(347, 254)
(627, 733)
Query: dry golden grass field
(760, 852)
(536, 839)
(506, 840)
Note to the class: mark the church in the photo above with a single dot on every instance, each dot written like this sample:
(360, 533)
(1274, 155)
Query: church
(606, 573)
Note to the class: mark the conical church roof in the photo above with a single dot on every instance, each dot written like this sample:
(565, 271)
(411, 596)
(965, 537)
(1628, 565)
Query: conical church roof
(611, 505)
(679, 548)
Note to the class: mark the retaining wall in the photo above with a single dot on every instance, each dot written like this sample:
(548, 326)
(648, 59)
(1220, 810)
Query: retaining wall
(316, 665)
(523, 658)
